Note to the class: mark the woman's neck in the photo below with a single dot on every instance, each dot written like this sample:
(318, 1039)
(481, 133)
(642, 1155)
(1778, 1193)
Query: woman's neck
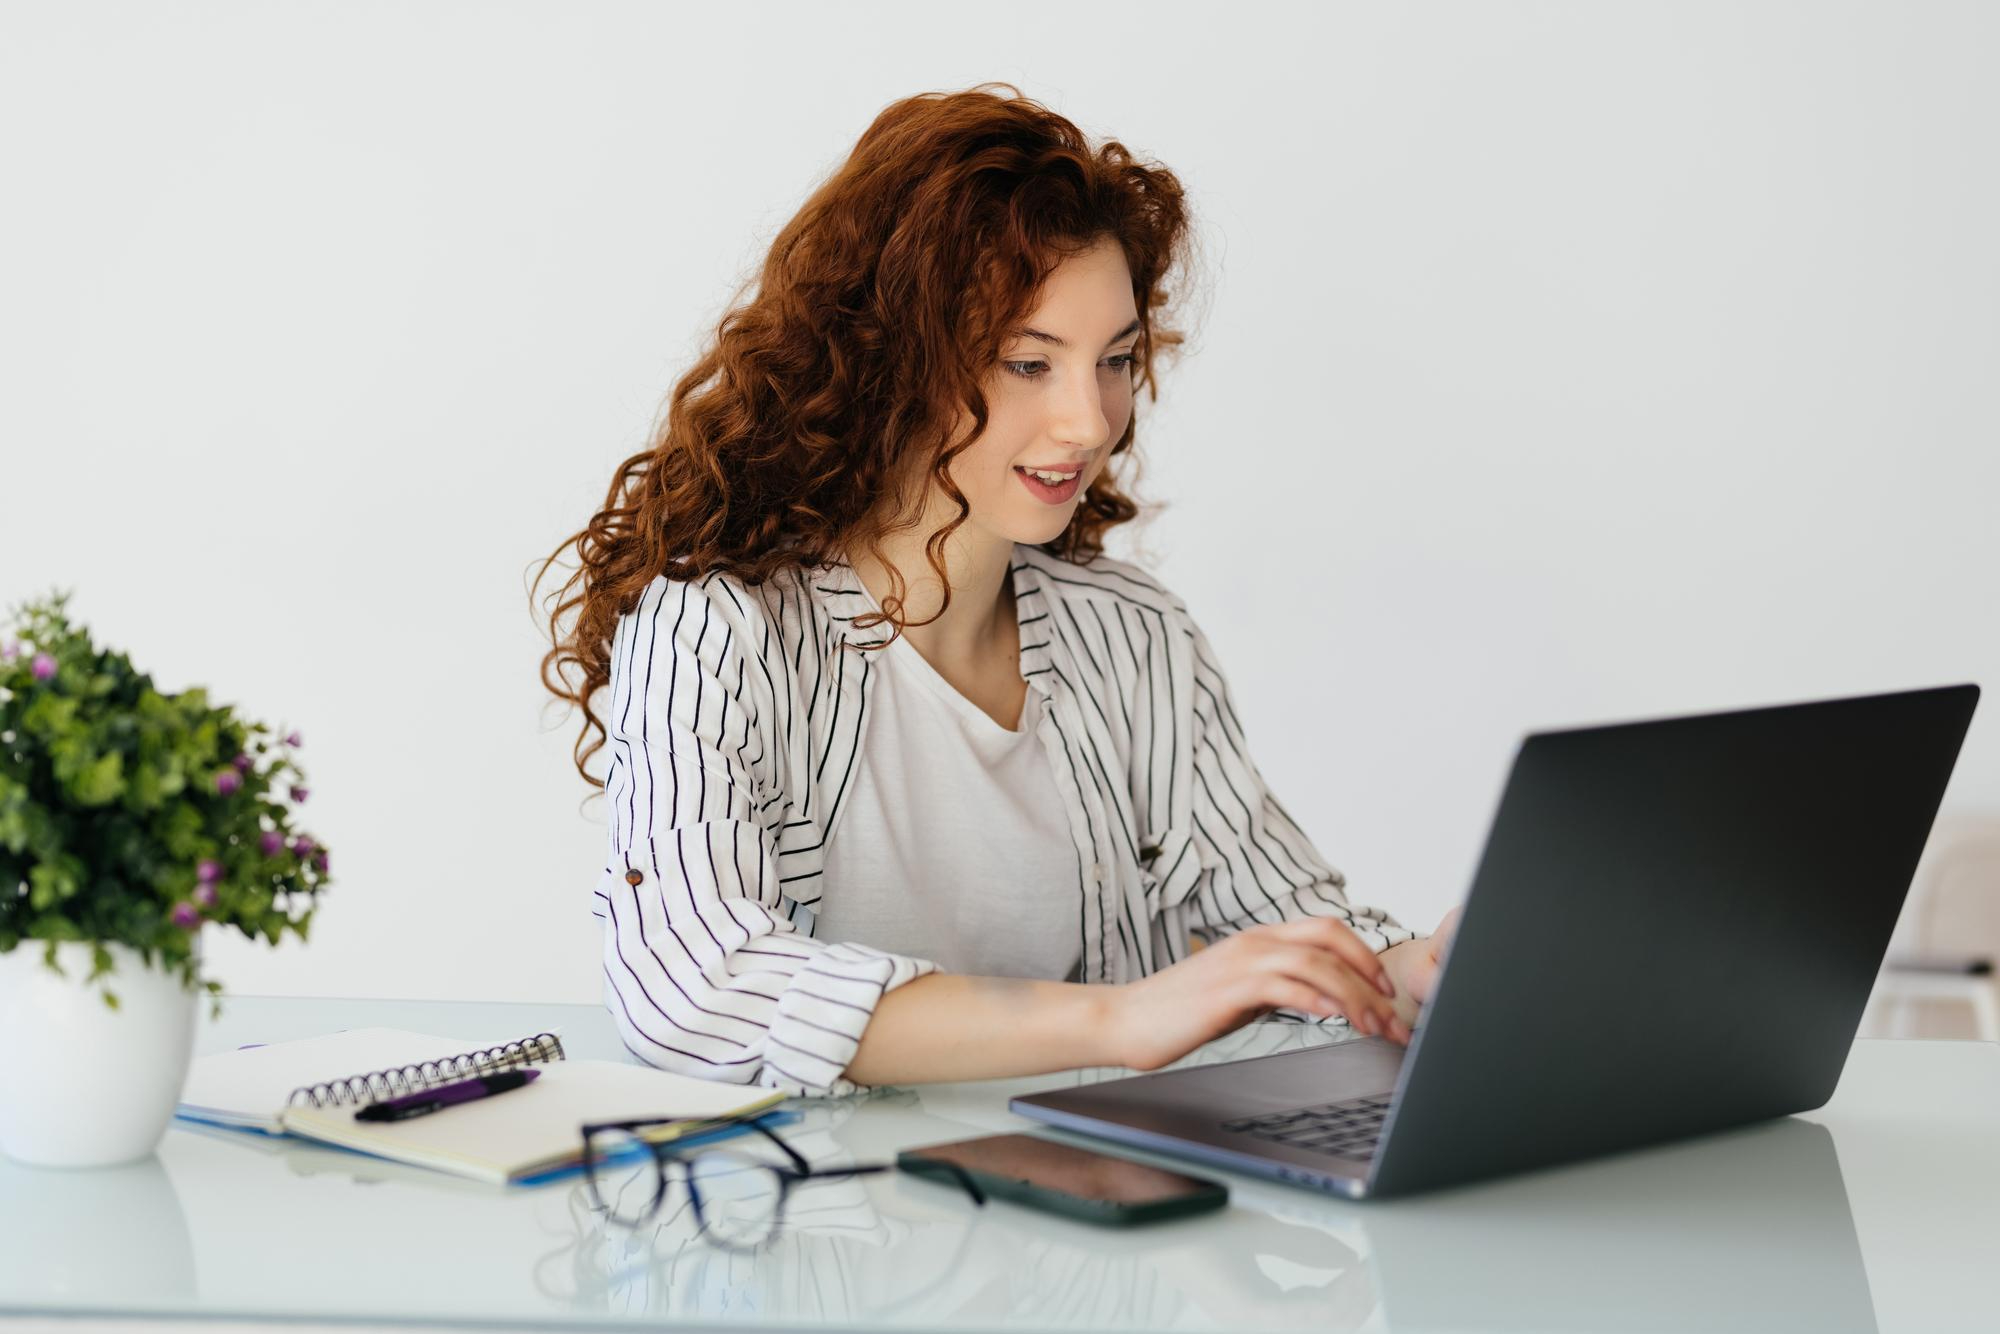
(979, 625)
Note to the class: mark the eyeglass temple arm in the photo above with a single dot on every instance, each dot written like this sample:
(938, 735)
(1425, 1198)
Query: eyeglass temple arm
(798, 1159)
(805, 1169)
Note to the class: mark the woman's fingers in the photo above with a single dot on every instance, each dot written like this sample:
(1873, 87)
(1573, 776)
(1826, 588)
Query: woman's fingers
(1291, 994)
(1332, 977)
(1339, 938)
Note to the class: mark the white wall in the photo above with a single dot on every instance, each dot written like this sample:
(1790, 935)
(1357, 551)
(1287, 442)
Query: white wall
(1562, 363)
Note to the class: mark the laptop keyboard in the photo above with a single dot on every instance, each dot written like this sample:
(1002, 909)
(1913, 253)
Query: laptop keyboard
(1344, 1129)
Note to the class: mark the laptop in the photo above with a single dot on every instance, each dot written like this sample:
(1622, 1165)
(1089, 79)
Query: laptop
(1673, 929)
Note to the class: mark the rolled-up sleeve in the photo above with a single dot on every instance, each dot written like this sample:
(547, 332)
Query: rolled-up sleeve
(704, 972)
(1257, 864)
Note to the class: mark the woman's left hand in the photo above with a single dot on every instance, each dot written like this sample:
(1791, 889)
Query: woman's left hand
(1413, 966)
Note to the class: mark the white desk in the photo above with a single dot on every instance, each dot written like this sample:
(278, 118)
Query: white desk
(1881, 1211)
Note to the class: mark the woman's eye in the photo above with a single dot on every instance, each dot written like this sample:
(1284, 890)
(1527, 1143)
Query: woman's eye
(1032, 370)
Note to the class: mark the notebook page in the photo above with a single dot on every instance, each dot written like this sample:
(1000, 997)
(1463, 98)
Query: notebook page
(248, 1087)
(533, 1128)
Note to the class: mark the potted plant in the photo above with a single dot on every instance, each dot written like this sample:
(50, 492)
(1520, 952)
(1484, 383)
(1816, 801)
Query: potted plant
(129, 820)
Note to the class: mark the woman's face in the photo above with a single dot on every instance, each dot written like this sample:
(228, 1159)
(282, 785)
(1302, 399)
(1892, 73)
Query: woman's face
(1057, 401)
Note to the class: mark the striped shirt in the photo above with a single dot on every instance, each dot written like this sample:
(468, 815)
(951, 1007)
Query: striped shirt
(736, 716)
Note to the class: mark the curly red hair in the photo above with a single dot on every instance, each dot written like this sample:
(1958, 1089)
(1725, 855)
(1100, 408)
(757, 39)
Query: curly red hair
(880, 309)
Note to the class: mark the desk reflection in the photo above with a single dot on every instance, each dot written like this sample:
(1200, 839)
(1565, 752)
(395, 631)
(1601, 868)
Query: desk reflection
(897, 1250)
(108, 1233)
(1748, 1230)
(1745, 1230)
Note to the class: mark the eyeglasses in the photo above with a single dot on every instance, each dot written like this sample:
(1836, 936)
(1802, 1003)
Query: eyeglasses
(738, 1198)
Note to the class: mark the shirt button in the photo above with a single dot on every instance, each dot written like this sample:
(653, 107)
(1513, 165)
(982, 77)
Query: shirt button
(1097, 872)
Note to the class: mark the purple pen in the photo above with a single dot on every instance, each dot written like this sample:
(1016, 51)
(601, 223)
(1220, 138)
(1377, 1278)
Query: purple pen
(445, 1095)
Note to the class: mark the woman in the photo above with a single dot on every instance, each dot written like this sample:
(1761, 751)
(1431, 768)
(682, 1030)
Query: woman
(908, 780)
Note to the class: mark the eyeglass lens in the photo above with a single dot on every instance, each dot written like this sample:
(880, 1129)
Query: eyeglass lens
(623, 1175)
(738, 1195)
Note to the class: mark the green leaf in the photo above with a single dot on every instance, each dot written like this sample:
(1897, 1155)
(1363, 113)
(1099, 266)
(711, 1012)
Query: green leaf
(145, 791)
(49, 715)
(54, 927)
(13, 816)
(50, 882)
(102, 783)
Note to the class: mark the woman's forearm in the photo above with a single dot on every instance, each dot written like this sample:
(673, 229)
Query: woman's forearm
(947, 1026)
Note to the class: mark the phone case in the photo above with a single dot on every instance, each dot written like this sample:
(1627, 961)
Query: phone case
(1110, 1212)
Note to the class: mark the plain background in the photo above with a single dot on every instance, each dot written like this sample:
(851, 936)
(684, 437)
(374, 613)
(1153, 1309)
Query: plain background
(1556, 363)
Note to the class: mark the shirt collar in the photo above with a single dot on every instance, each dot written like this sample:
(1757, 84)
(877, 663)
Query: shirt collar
(840, 590)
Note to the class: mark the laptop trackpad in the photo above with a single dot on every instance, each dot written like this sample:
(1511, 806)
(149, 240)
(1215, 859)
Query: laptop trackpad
(1199, 1096)
(1333, 1073)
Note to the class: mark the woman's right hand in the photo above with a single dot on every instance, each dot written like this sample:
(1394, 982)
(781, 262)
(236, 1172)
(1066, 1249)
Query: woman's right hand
(1316, 965)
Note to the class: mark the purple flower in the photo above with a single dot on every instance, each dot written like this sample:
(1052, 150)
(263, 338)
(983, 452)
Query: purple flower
(43, 667)
(299, 793)
(186, 916)
(243, 762)
(205, 895)
(272, 843)
(319, 861)
(227, 781)
(302, 845)
(10, 650)
(292, 739)
(208, 871)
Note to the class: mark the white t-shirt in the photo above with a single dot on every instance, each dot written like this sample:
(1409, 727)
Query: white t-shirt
(955, 845)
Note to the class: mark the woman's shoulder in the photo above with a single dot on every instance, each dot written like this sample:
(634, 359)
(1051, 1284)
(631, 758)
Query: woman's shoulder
(1106, 578)
(730, 590)
(713, 617)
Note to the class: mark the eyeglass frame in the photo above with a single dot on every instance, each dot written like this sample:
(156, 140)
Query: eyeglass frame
(666, 1151)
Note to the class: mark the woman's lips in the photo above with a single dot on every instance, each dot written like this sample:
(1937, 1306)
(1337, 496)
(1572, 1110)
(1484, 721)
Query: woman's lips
(1054, 495)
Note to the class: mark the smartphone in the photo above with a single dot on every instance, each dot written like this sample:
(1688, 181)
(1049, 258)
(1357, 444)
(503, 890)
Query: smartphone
(1060, 1178)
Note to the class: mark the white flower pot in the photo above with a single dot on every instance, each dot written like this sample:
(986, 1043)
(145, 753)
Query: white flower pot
(86, 1085)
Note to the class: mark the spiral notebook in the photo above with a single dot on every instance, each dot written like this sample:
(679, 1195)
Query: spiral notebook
(531, 1131)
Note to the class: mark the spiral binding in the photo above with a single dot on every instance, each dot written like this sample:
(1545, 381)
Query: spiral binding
(376, 1085)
